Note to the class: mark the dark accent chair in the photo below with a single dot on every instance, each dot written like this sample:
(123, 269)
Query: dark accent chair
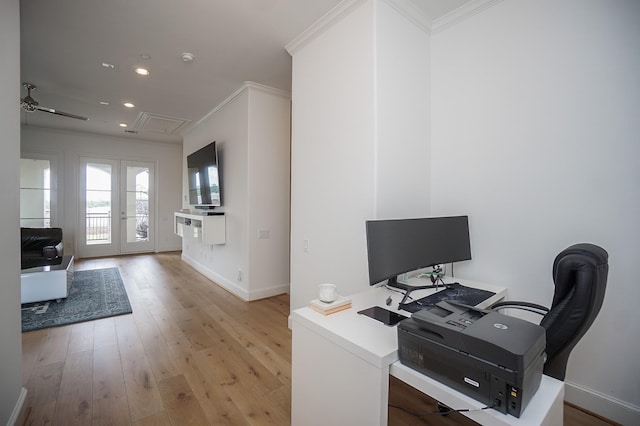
(580, 278)
(40, 247)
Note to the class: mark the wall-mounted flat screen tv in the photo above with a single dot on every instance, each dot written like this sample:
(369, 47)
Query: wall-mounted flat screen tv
(203, 176)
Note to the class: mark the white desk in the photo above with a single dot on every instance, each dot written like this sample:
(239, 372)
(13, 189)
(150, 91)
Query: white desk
(341, 365)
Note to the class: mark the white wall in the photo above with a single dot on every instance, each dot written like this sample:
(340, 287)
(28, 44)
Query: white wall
(359, 141)
(269, 189)
(251, 130)
(228, 127)
(68, 147)
(535, 136)
(11, 392)
(402, 116)
(332, 157)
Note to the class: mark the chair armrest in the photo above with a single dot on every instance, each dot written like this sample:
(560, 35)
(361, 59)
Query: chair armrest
(526, 306)
(49, 252)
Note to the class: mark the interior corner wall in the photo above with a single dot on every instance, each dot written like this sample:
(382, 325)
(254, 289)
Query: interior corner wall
(360, 142)
(228, 126)
(535, 108)
(68, 146)
(252, 132)
(11, 391)
(403, 166)
(269, 188)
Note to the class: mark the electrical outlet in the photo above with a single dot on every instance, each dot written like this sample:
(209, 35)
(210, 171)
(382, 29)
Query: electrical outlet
(264, 234)
(305, 246)
(239, 274)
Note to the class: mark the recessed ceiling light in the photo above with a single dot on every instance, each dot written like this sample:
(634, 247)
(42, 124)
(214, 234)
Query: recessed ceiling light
(107, 65)
(104, 103)
(142, 71)
(128, 104)
(123, 124)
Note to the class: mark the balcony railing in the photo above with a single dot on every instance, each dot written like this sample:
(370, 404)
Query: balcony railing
(98, 227)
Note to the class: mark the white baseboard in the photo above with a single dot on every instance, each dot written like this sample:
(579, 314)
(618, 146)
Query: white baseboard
(233, 287)
(604, 405)
(268, 292)
(15, 415)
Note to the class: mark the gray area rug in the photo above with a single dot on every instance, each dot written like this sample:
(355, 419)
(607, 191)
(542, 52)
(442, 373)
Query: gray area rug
(94, 294)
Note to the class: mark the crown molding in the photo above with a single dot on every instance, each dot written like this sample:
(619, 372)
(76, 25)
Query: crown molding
(463, 12)
(406, 8)
(245, 86)
(411, 12)
(336, 14)
(266, 89)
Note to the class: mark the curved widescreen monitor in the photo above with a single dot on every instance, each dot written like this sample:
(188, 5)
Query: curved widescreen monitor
(399, 246)
(203, 177)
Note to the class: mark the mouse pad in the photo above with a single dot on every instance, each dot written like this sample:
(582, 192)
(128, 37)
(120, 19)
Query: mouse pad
(457, 293)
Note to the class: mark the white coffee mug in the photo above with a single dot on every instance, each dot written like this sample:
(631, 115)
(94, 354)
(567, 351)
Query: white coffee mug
(327, 292)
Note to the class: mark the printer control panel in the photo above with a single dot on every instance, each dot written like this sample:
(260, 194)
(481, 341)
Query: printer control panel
(461, 320)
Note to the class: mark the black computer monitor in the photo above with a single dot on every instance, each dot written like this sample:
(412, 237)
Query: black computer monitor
(399, 246)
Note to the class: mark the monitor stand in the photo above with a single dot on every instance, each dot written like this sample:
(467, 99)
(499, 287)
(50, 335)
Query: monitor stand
(408, 289)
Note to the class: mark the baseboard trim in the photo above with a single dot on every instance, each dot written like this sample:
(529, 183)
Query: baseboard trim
(268, 292)
(232, 287)
(603, 405)
(17, 410)
(216, 278)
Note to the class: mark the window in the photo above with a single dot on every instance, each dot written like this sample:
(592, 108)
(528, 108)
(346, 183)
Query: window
(37, 193)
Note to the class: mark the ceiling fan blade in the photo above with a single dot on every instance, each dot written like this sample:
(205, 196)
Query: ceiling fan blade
(62, 113)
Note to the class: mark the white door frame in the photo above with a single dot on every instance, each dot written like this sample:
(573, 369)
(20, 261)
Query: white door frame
(117, 242)
(127, 218)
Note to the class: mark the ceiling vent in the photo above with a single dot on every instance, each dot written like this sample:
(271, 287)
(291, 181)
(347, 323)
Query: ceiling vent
(156, 123)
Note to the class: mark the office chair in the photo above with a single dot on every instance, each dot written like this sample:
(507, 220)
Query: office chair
(580, 277)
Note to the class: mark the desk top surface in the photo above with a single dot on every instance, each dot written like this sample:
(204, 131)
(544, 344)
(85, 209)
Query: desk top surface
(377, 344)
(368, 338)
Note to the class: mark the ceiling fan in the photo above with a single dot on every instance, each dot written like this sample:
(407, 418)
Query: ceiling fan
(29, 104)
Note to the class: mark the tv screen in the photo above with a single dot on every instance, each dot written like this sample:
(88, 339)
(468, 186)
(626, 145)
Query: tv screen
(203, 177)
(398, 246)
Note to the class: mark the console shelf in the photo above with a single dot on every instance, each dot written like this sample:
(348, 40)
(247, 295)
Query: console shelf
(208, 229)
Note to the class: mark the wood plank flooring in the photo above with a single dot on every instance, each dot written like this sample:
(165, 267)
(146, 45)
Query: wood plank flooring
(190, 354)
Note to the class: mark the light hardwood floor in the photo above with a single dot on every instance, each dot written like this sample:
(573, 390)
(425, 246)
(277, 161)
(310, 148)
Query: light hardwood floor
(190, 354)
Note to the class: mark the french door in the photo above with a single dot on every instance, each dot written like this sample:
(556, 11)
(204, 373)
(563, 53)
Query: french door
(116, 204)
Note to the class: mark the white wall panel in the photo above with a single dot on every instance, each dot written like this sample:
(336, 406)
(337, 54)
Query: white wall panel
(535, 136)
(332, 155)
(11, 392)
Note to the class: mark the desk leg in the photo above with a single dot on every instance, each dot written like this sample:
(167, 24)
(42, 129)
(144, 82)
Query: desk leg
(332, 386)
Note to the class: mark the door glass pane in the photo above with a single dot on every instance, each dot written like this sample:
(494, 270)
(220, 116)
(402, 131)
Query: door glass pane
(137, 204)
(98, 204)
(35, 193)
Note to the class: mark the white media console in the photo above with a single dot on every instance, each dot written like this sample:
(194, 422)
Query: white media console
(208, 229)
